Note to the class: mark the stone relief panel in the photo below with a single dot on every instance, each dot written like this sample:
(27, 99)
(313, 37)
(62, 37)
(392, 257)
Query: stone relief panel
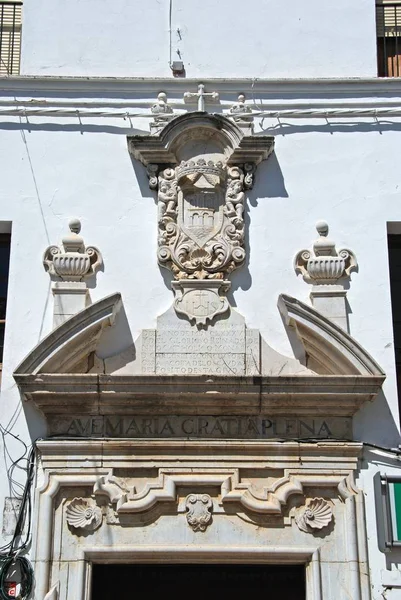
(201, 167)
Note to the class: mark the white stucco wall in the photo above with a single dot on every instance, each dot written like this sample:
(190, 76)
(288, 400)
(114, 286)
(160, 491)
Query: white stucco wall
(334, 38)
(345, 171)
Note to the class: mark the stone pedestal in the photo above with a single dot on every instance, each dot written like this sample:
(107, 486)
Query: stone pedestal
(69, 298)
(331, 302)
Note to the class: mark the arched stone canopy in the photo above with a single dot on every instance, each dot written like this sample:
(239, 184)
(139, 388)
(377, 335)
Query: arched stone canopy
(237, 147)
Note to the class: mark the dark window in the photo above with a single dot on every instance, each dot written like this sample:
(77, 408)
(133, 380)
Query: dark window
(394, 254)
(388, 28)
(4, 266)
(199, 581)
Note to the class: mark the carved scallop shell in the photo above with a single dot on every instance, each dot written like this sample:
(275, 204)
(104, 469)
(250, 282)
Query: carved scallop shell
(316, 514)
(82, 513)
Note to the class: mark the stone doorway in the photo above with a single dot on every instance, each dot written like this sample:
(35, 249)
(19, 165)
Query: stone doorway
(198, 581)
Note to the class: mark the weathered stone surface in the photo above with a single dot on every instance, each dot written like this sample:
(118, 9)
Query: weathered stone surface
(198, 363)
(148, 356)
(172, 341)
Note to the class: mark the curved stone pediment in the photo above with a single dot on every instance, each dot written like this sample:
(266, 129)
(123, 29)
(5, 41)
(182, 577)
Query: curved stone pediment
(166, 147)
(72, 341)
(328, 348)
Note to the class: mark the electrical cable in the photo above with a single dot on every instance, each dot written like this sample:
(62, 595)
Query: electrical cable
(10, 554)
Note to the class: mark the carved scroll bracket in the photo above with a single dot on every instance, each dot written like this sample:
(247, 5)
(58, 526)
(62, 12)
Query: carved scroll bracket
(201, 167)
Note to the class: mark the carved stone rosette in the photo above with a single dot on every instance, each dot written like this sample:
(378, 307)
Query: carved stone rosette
(198, 508)
(316, 514)
(201, 166)
(83, 513)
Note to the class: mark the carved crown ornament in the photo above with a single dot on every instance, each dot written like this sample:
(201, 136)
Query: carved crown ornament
(72, 261)
(201, 166)
(324, 264)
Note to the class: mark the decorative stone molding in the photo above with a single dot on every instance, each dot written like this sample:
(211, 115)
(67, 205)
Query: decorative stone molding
(73, 261)
(199, 508)
(316, 514)
(83, 513)
(242, 114)
(164, 489)
(201, 166)
(162, 112)
(327, 269)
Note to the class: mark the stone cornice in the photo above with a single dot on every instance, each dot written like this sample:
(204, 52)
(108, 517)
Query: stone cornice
(92, 394)
(275, 87)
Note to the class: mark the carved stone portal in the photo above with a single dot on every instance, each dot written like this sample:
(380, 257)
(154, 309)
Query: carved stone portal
(201, 166)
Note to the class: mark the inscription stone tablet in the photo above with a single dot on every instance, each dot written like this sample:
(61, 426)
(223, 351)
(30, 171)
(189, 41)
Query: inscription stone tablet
(260, 427)
(176, 347)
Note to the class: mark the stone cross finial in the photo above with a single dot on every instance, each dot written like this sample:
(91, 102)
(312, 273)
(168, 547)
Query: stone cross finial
(69, 267)
(328, 270)
(201, 97)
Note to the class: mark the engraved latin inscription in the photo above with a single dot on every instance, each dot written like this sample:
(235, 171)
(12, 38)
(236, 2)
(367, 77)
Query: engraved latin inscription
(197, 364)
(203, 426)
(205, 340)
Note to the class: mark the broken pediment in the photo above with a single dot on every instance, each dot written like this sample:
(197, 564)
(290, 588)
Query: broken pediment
(201, 166)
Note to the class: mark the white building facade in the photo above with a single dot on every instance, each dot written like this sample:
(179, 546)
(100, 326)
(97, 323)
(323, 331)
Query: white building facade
(202, 203)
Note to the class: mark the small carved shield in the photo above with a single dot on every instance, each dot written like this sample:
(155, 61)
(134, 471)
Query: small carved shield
(201, 214)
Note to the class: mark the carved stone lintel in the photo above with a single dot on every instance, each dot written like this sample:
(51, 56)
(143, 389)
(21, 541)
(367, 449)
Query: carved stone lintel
(83, 513)
(201, 300)
(198, 508)
(316, 514)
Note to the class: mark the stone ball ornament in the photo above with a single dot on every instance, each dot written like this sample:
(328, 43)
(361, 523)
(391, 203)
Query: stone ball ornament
(83, 513)
(316, 514)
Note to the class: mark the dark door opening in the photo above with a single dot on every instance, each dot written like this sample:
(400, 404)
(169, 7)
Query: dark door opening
(198, 582)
